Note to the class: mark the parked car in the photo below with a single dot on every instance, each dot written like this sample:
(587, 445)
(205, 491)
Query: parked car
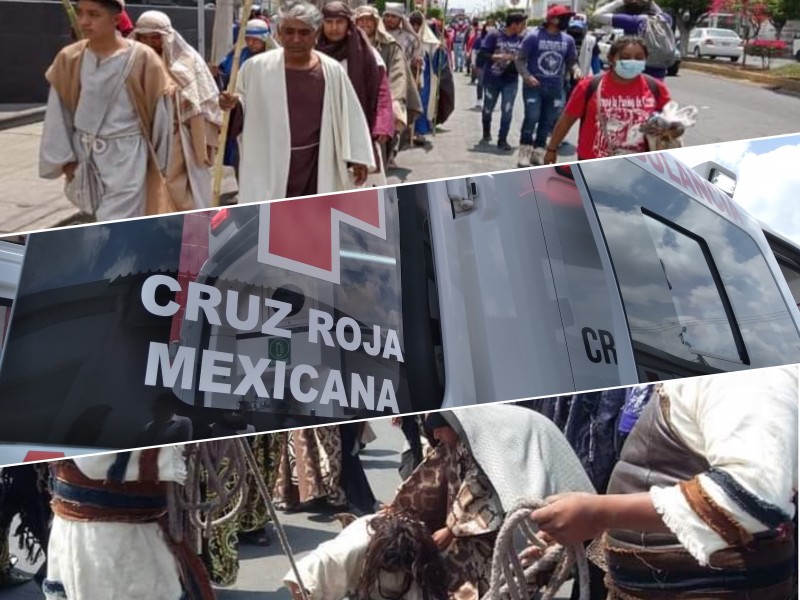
(713, 43)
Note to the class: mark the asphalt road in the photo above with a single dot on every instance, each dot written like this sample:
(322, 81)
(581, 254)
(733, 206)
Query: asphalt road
(729, 110)
(262, 568)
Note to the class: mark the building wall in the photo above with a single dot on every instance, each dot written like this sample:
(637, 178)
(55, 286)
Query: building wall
(32, 33)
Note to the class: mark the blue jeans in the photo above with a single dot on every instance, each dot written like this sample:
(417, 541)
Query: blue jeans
(543, 106)
(459, 55)
(492, 91)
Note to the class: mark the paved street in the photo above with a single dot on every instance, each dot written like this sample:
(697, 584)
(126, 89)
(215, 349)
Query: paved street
(262, 569)
(729, 110)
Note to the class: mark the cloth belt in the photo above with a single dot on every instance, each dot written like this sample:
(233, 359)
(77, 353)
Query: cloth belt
(78, 498)
(764, 568)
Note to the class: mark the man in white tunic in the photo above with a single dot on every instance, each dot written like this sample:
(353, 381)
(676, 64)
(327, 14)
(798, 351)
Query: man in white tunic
(110, 540)
(702, 502)
(304, 128)
(197, 116)
(108, 123)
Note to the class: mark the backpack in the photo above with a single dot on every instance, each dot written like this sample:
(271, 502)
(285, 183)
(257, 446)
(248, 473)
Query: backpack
(660, 42)
(591, 90)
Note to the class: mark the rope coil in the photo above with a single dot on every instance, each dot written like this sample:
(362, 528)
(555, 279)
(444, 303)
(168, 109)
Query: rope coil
(511, 580)
(216, 489)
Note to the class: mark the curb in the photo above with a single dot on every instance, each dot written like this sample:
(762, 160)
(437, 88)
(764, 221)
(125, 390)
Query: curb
(780, 83)
(23, 117)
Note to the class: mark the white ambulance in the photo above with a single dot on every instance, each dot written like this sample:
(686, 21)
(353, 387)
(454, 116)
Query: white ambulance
(411, 298)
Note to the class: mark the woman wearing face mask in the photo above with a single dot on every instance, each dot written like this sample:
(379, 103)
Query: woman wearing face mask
(612, 106)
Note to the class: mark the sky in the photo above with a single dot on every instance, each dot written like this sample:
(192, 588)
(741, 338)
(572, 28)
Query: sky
(768, 177)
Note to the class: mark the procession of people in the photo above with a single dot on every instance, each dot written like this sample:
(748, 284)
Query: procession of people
(688, 478)
(328, 98)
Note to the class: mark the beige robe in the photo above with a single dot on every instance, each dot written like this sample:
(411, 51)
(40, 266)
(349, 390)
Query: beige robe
(146, 85)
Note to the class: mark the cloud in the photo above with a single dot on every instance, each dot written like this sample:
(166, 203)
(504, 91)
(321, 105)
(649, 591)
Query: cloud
(767, 182)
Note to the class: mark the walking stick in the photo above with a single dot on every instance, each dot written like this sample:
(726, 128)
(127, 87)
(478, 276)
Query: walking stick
(247, 451)
(439, 70)
(226, 117)
(72, 18)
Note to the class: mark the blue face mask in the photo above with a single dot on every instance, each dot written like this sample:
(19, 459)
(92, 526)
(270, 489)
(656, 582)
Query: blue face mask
(628, 69)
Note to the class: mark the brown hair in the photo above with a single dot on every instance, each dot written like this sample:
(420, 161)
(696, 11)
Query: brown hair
(623, 42)
(401, 544)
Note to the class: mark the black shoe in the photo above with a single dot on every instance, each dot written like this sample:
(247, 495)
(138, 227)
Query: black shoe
(486, 140)
(504, 146)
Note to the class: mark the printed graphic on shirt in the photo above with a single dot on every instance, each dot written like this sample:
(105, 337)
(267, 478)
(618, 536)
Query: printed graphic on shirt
(623, 116)
(551, 57)
(505, 45)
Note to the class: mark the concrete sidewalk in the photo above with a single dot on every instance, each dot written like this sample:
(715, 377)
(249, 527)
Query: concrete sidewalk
(17, 115)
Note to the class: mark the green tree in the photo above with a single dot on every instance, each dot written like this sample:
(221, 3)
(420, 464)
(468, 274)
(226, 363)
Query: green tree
(778, 15)
(434, 12)
(687, 14)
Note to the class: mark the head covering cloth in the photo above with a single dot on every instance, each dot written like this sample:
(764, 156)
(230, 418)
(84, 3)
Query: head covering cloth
(362, 66)
(522, 453)
(198, 92)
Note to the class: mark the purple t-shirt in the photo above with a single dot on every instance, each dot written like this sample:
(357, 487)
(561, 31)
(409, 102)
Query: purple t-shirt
(497, 42)
(548, 54)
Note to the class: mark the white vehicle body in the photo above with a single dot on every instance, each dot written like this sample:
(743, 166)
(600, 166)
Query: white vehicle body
(714, 43)
(531, 283)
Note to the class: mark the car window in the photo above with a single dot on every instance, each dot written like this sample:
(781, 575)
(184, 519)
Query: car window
(723, 33)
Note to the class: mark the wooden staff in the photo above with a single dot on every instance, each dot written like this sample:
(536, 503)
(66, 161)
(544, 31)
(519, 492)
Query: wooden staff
(72, 18)
(226, 116)
(442, 42)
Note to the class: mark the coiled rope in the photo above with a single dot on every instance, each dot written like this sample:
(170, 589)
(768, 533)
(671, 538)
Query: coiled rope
(511, 580)
(216, 489)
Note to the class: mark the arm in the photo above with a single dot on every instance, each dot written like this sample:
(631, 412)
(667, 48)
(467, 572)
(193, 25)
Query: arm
(602, 16)
(576, 517)
(384, 123)
(162, 132)
(750, 445)
(560, 131)
(522, 63)
(56, 155)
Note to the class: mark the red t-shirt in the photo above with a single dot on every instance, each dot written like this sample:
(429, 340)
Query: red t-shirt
(625, 107)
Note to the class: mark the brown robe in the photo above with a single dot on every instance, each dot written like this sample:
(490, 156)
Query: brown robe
(147, 84)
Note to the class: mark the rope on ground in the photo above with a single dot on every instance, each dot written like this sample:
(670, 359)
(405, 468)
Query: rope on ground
(511, 579)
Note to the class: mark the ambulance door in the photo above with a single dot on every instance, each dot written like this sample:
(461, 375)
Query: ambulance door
(600, 354)
(500, 317)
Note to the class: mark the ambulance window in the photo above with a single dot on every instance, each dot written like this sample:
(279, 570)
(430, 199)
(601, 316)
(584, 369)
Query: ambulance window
(700, 304)
(680, 264)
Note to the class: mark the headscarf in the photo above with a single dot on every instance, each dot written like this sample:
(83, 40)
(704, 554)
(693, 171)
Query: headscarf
(259, 29)
(125, 25)
(399, 10)
(362, 67)
(542, 464)
(197, 88)
(368, 10)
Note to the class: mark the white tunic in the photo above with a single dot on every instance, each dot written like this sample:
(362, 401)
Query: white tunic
(746, 424)
(115, 561)
(266, 140)
(122, 159)
(333, 570)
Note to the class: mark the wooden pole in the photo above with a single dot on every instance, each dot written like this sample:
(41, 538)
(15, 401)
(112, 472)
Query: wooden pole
(442, 43)
(226, 117)
(72, 18)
